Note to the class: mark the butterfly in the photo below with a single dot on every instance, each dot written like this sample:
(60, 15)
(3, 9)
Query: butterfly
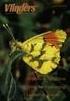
(42, 52)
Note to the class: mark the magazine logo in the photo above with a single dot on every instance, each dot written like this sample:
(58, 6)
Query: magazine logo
(20, 8)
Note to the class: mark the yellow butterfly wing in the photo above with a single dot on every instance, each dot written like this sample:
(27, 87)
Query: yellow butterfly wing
(40, 55)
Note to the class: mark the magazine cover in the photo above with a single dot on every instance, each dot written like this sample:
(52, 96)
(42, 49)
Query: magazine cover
(34, 50)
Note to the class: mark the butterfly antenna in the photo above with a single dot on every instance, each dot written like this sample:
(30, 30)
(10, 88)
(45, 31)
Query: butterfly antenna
(9, 31)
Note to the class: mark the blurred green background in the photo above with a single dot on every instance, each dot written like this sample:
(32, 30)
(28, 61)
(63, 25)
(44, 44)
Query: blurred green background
(50, 15)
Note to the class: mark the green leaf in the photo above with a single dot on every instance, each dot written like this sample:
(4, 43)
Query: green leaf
(8, 84)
